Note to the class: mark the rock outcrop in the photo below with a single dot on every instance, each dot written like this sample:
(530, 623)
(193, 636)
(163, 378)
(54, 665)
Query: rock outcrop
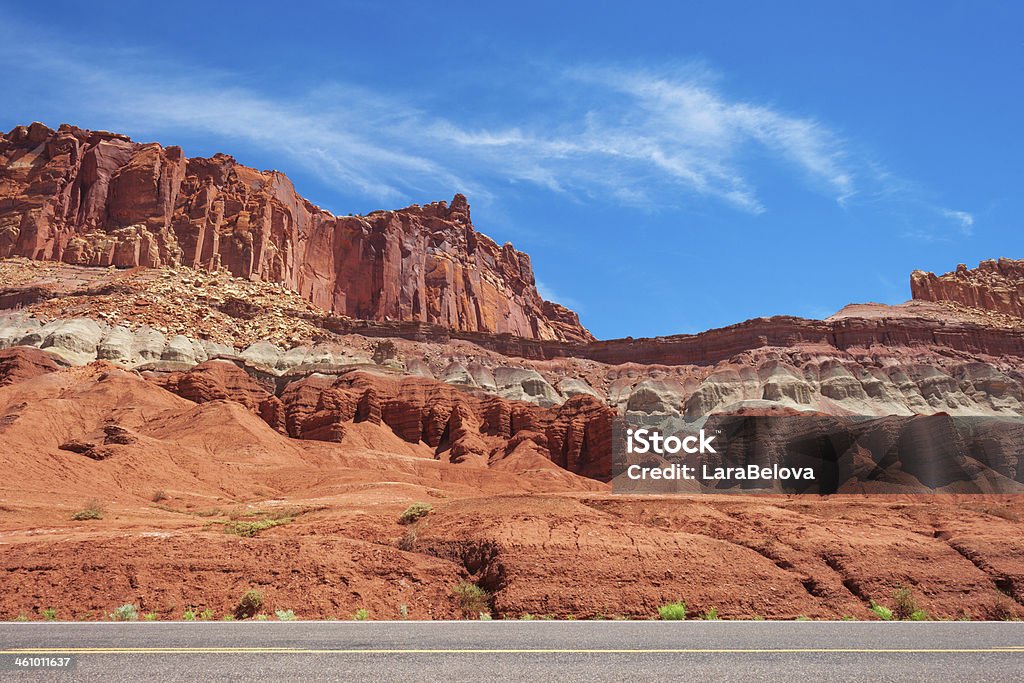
(99, 199)
(995, 285)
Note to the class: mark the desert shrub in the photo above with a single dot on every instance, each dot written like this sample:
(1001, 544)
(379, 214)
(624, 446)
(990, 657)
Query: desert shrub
(472, 598)
(1001, 608)
(904, 605)
(285, 614)
(189, 614)
(125, 613)
(528, 617)
(159, 495)
(21, 617)
(408, 540)
(882, 612)
(205, 615)
(92, 510)
(361, 614)
(415, 512)
(250, 529)
(484, 616)
(673, 611)
(249, 605)
(49, 614)
(261, 617)
(403, 610)
(228, 617)
(711, 614)
(149, 616)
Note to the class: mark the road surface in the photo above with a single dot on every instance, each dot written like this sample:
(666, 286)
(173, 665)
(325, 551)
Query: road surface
(517, 651)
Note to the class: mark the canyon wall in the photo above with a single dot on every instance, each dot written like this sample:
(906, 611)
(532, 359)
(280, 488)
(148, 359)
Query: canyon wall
(96, 198)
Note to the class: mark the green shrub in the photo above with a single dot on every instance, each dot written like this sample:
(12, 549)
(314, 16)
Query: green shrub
(484, 616)
(403, 610)
(527, 617)
(285, 614)
(250, 529)
(882, 612)
(673, 611)
(472, 599)
(802, 618)
(415, 512)
(711, 614)
(228, 617)
(920, 615)
(261, 617)
(205, 615)
(249, 605)
(361, 614)
(125, 613)
(149, 616)
(189, 614)
(92, 510)
(49, 614)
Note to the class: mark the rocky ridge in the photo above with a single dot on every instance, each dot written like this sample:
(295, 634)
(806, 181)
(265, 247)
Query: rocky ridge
(995, 285)
(99, 199)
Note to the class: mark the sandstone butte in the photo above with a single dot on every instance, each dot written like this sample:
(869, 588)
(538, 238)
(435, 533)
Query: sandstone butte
(97, 198)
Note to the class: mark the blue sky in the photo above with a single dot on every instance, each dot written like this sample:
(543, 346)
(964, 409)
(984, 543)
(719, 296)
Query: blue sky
(669, 167)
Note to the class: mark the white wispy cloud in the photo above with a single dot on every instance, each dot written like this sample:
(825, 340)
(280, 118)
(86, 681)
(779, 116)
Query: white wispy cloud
(640, 137)
(963, 219)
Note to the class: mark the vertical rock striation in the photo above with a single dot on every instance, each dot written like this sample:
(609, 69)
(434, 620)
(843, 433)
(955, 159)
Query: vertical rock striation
(98, 199)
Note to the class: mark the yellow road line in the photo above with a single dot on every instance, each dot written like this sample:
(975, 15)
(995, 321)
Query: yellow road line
(471, 651)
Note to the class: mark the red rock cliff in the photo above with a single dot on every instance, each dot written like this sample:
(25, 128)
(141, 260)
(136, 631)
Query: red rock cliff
(97, 198)
(993, 285)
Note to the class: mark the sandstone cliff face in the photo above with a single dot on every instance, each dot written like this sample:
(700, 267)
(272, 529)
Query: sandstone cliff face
(97, 198)
(994, 285)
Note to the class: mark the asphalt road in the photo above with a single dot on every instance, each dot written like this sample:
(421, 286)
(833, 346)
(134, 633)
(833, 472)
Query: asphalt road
(517, 651)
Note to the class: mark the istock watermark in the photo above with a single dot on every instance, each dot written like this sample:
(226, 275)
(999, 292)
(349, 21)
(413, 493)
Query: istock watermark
(817, 454)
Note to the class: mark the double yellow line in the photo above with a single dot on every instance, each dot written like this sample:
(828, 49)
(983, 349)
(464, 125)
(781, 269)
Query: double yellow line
(1015, 649)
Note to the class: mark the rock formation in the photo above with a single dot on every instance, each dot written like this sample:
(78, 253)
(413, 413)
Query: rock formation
(97, 198)
(995, 285)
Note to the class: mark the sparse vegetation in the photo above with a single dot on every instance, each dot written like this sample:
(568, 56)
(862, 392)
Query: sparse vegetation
(527, 617)
(882, 612)
(408, 540)
(905, 606)
(472, 599)
(711, 614)
(1002, 608)
(484, 616)
(249, 605)
(21, 617)
(414, 512)
(261, 617)
(159, 496)
(49, 614)
(361, 614)
(125, 613)
(285, 614)
(228, 617)
(802, 618)
(189, 614)
(92, 510)
(250, 529)
(149, 616)
(205, 615)
(673, 611)
(403, 610)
